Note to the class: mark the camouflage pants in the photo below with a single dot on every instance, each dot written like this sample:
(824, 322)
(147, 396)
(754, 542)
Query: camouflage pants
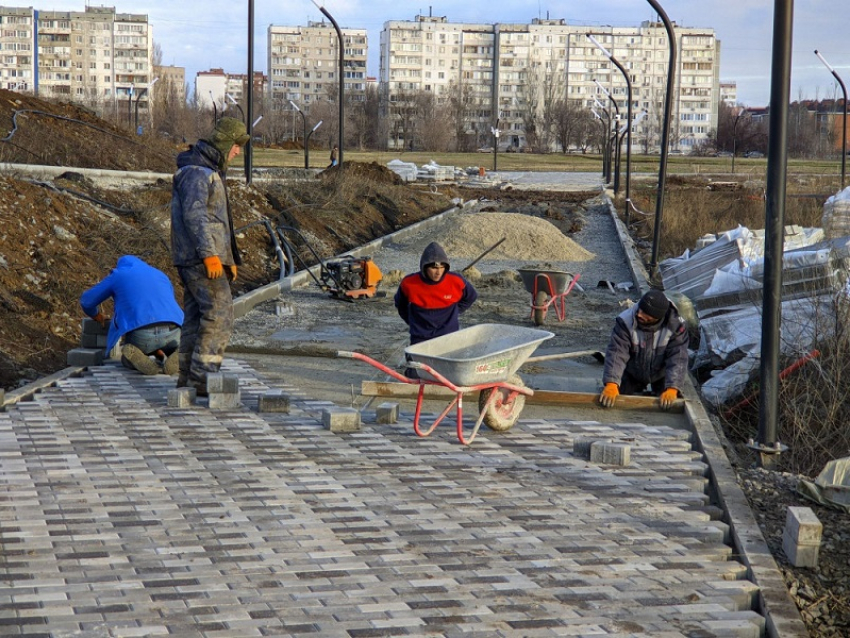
(207, 325)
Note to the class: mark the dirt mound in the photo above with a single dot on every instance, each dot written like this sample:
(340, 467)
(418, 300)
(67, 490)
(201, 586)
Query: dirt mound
(526, 238)
(36, 131)
(371, 171)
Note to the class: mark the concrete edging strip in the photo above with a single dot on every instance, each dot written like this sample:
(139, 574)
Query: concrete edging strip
(781, 615)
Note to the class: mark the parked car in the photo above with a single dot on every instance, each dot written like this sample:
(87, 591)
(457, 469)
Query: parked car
(485, 149)
(723, 154)
(676, 151)
(753, 154)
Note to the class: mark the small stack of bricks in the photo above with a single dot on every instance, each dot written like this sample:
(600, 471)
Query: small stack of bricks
(802, 536)
(223, 390)
(92, 350)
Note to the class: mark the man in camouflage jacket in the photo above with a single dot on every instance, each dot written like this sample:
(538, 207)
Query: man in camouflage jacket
(203, 247)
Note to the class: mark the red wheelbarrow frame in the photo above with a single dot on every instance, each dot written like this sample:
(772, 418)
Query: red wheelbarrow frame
(513, 392)
(560, 308)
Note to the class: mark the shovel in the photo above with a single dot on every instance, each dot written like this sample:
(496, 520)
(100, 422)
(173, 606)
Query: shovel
(596, 354)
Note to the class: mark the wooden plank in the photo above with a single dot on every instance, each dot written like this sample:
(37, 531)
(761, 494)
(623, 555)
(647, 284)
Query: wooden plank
(540, 397)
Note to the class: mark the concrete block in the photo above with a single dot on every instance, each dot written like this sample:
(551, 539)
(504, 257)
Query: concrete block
(802, 525)
(387, 413)
(220, 383)
(341, 419)
(608, 453)
(181, 397)
(92, 327)
(800, 555)
(274, 401)
(93, 341)
(85, 357)
(581, 446)
(223, 400)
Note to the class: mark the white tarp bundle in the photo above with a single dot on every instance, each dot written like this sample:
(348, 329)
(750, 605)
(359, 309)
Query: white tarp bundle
(836, 215)
(831, 487)
(406, 170)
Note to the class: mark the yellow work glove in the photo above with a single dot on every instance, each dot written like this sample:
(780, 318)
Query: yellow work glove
(214, 267)
(231, 272)
(667, 397)
(609, 394)
(102, 319)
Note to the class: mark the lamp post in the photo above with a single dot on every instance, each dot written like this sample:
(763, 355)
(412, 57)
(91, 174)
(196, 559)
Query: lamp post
(844, 118)
(307, 145)
(665, 135)
(215, 109)
(304, 121)
(614, 134)
(735, 137)
(616, 63)
(237, 105)
(606, 153)
(495, 132)
(139, 97)
(130, 103)
(341, 141)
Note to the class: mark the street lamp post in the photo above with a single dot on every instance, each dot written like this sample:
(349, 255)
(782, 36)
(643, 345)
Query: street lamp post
(307, 144)
(215, 109)
(735, 137)
(139, 97)
(495, 132)
(665, 135)
(130, 103)
(304, 121)
(606, 153)
(844, 118)
(616, 63)
(237, 105)
(341, 141)
(616, 150)
(605, 132)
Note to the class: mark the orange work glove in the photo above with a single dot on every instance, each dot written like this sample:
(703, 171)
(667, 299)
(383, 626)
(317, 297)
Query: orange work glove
(214, 267)
(102, 319)
(609, 393)
(667, 397)
(231, 272)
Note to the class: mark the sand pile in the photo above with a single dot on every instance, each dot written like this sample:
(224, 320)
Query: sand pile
(526, 238)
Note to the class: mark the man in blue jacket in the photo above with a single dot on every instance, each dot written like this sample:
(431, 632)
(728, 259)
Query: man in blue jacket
(146, 315)
(203, 248)
(430, 301)
(648, 347)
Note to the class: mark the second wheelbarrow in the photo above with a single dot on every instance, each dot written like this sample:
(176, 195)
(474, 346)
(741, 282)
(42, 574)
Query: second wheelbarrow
(482, 358)
(548, 288)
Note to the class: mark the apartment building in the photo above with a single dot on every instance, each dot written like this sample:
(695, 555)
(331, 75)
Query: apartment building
(303, 64)
(215, 89)
(96, 56)
(508, 72)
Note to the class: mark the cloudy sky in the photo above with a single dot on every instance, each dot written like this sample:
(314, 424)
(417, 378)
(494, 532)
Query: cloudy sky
(213, 33)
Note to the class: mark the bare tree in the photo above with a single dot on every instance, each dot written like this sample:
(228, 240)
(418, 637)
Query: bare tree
(529, 104)
(461, 102)
(553, 87)
(571, 122)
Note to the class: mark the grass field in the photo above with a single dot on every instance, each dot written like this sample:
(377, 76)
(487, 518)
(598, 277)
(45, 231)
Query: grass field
(264, 157)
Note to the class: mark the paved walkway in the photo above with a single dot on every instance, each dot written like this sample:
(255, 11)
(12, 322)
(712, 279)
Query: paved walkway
(121, 516)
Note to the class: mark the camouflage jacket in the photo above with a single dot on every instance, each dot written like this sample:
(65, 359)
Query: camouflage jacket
(201, 224)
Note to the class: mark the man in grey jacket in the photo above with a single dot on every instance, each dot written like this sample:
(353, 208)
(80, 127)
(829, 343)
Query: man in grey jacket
(203, 247)
(649, 346)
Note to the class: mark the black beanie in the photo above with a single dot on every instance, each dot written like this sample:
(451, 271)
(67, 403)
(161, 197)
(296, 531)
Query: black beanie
(654, 304)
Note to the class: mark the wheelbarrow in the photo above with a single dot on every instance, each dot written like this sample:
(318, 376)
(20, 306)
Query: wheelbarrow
(548, 288)
(483, 359)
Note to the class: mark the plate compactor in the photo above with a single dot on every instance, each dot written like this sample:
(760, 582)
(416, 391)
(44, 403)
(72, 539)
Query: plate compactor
(351, 277)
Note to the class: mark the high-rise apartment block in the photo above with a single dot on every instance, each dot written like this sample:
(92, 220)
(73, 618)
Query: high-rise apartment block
(303, 64)
(504, 72)
(215, 88)
(96, 55)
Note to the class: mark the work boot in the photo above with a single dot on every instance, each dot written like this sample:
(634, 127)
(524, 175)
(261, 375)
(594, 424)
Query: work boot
(171, 365)
(135, 359)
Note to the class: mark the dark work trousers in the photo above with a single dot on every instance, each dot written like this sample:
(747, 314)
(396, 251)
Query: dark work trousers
(207, 325)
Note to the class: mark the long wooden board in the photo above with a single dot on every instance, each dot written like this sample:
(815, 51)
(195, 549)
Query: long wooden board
(540, 397)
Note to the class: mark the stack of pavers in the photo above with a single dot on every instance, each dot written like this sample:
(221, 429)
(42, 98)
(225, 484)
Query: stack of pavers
(92, 350)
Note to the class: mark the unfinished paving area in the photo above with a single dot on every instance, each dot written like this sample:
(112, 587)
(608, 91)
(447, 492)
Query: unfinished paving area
(124, 517)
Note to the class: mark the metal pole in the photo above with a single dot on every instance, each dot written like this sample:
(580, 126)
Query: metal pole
(249, 147)
(304, 120)
(496, 145)
(665, 136)
(307, 145)
(844, 119)
(341, 141)
(777, 163)
(628, 133)
(139, 97)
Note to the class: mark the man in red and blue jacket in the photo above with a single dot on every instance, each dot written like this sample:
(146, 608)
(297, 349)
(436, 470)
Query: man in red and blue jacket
(431, 300)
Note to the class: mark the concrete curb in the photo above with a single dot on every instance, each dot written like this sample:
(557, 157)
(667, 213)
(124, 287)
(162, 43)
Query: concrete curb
(781, 615)
(26, 392)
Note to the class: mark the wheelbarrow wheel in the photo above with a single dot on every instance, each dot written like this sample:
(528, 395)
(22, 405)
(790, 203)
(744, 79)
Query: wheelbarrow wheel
(505, 410)
(540, 300)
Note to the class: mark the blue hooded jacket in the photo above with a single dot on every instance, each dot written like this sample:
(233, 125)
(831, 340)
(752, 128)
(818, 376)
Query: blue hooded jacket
(142, 295)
